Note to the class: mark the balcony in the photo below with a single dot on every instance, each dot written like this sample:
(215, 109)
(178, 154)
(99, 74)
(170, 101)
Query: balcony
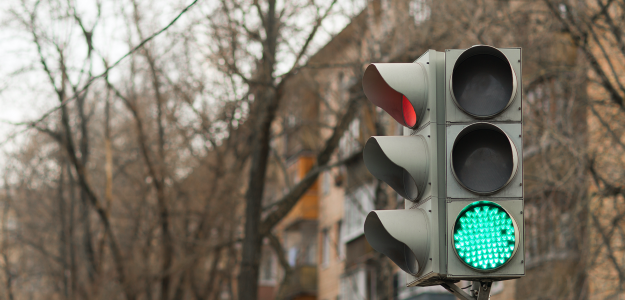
(302, 283)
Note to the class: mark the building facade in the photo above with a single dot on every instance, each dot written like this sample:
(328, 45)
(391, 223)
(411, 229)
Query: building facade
(399, 31)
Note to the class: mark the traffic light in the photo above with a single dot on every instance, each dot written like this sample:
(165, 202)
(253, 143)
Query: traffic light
(485, 168)
(458, 165)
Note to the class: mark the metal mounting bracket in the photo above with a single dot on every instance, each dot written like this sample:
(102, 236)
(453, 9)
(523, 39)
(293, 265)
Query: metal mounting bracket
(479, 290)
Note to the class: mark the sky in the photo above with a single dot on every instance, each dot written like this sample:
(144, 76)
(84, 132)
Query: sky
(25, 90)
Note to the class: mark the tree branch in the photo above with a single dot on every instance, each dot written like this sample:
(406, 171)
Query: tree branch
(289, 200)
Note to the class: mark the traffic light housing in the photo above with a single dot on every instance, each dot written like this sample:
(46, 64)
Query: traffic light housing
(410, 164)
(459, 165)
(484, 150)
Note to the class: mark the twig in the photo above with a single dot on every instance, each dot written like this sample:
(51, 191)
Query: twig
(106, 71)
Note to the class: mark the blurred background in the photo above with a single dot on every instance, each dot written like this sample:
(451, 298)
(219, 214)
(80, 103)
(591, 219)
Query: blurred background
(213, 149)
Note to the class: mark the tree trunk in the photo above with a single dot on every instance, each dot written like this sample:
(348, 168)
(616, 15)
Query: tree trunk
(250, 261)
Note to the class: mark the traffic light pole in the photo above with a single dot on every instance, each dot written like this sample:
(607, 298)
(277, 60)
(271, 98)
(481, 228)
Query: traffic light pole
(480, 290)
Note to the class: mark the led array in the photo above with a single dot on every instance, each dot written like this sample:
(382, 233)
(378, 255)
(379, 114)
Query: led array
(484, 235)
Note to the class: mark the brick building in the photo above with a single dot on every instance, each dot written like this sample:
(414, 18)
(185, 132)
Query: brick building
(323, 237)
(337, 255)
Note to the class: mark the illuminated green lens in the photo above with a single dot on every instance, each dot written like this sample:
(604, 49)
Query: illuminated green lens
(484, 235)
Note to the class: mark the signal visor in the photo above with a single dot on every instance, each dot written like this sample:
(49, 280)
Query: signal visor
(400, 89)
(401, 235)
(386, 157)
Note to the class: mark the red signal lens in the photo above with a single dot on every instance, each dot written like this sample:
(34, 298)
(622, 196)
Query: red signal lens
(410, 116)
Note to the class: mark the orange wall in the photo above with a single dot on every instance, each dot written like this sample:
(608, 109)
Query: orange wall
(308, 206)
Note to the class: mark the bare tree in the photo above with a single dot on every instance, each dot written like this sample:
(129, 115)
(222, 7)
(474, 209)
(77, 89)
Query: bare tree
(133, 187)
(595, 28)
(141, 173)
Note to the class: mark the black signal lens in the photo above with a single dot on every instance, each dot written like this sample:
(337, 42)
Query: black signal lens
(483, 83)
(484, 160)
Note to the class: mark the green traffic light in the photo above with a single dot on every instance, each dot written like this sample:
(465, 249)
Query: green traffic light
(484, 235)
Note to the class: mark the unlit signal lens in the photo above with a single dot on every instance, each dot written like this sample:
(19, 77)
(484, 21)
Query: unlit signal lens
(483, 82)
(484, 160)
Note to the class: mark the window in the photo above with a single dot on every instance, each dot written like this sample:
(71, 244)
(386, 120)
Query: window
(396, 286)
(340, 246)
(357, 205)
(400, 202)
(353, 285)
(325, 250)
(11, 223)
(311, 253)
(293, 171)
(268, 270)
(325, 183)
(399, 129)
(428, 292)
(419, 10)
(356, 250)
(562, 8)
(292, 256)
(349, 144)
